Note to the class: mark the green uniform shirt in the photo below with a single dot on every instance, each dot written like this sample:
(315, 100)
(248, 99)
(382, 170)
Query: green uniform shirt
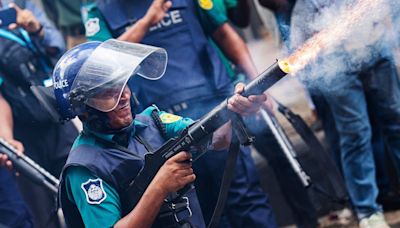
(212, 15)
(95, 27)
(105, 214)
(108, 211)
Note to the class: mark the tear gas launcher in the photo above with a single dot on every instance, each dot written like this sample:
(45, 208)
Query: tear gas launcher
(202, 130)
(27, 167)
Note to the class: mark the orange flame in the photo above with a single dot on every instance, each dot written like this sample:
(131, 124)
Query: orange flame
(338, 30)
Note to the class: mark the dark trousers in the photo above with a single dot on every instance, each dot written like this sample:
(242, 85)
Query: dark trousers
(13, 210)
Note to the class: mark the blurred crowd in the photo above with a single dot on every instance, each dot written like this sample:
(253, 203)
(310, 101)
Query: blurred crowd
(352, 87)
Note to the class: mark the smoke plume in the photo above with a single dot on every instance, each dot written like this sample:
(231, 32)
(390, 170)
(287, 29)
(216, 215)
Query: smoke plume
(333, 39)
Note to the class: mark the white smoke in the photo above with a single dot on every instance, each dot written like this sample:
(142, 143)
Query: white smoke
(354, 34)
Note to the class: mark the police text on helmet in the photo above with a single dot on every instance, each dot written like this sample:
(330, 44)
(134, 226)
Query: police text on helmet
(61, 84)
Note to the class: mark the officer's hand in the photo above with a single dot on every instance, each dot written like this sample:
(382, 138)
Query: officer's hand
(157, 11)
(25, 19)
(269, 104)
(4, 159)
(175, 173)
(245, 105)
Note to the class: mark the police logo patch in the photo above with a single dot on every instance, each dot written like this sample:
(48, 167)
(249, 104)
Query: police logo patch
(94, 191)
(169, 118)
(92, 26)
(206, 4)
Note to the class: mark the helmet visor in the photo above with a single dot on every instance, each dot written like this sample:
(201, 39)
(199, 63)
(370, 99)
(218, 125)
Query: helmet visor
(105, 73)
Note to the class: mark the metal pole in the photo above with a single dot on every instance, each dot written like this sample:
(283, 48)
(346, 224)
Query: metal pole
(286, 146)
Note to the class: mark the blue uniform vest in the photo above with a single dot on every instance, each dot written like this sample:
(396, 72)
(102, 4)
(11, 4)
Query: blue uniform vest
(118, 169)
(194, 68)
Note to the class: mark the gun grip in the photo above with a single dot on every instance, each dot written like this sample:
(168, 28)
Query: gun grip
(185, 189)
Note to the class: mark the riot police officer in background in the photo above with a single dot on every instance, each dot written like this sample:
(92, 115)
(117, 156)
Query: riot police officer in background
(27, 48)
(109, 152)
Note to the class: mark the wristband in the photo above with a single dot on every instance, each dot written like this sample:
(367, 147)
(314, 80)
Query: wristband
(37, 32)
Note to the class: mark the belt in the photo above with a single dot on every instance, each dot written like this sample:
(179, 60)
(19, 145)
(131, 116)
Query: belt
(175, 214)
(178, 107)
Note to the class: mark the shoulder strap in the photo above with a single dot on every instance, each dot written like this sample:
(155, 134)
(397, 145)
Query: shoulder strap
(140, 139)
(114, 145)
(11, 36)
(159, 123)
(233, 152)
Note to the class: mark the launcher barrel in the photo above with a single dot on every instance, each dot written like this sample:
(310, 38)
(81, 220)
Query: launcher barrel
(220, 114)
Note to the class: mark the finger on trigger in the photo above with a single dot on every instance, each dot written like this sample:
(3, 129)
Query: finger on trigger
(258, 99)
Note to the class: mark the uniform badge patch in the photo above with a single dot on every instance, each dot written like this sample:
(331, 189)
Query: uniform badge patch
(169, 118)
(94, 191)
(92, 26)
(206, 4)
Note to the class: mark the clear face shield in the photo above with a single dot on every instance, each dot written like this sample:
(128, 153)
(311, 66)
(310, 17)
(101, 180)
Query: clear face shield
(105, 73)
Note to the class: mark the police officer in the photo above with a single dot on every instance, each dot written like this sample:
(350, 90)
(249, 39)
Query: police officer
(26, 50)
(92, 82)
(192, 60)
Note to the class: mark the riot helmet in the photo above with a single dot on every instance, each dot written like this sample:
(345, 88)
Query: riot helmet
(94, 74)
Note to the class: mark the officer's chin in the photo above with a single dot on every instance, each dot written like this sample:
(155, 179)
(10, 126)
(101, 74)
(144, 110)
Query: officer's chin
(121, 122)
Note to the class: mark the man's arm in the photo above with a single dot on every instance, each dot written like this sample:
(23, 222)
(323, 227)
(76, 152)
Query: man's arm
(235, 49)
(6, 131)
(35, 22)
(154, 14)
(239, 14)
(175, 174)
(6, 119)
(241, 105)
(172, 176)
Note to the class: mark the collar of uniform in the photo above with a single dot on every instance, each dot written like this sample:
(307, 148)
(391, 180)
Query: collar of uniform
(104, 136)
(137, 126)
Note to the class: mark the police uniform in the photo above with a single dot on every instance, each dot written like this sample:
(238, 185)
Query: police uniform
(194, 82)
(13, 210)
(95, 177)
